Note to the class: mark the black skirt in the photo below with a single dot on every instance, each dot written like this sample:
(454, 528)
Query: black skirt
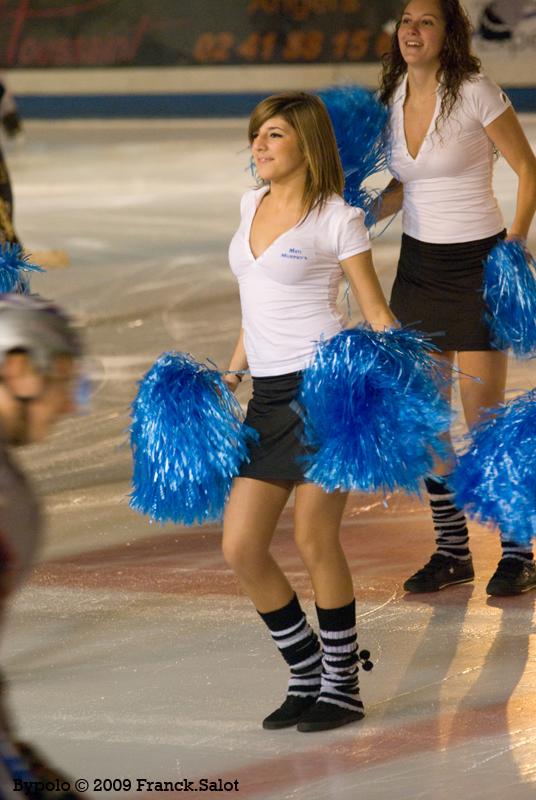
(438, 289)
(273, 412)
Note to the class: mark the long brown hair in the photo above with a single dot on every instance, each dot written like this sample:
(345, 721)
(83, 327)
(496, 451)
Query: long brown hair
(307, 114)
(457, 63)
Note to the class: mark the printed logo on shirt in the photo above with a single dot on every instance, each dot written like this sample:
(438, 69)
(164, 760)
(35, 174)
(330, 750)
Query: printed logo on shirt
(295, 253)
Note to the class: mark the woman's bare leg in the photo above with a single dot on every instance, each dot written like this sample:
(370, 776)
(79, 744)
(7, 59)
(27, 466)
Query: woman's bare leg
(516, 572)
(451, 562)
(489, 367)
(443, 466)
(252, 513)
(250, 519)
(317, 521)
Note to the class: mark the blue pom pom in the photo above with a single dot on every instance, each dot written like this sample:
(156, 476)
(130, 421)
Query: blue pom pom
(360, 124)
(373, 412)
(13, 265)
(510, 293)
(495, 480)
(188, 441)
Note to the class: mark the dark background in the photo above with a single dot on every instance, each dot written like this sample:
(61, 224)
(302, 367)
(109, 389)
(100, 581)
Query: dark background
(139, 33)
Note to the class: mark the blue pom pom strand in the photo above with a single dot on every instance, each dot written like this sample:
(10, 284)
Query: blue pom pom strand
(495, 480)
(188, 441)
(510, 293)
(360, 124)
(373, 411)
(13, 266)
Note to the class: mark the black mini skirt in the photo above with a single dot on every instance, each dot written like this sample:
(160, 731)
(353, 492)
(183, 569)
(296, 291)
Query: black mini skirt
(274, 413)
(438, 289)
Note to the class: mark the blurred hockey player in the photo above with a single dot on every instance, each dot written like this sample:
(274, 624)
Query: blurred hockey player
(39, 350)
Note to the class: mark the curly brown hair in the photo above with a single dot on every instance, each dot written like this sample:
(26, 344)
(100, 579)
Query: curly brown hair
(457, 63)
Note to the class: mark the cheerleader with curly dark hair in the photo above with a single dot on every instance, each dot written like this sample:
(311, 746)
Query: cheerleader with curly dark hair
(447, 120)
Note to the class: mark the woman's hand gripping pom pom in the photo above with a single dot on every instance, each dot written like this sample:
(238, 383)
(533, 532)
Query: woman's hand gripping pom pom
(13, 266)
(360, 124)
(495, 480)
(188, 441)
(373, 410)
(510, 292)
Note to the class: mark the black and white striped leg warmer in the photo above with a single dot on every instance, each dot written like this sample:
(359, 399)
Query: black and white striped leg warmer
(340, 657)
(512, 550)
(299, 647)
(450, 524)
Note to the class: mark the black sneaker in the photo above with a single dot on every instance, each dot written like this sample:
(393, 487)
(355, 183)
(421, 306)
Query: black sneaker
(289, 712)
(326, 716)
(441, 571)
(512, 576)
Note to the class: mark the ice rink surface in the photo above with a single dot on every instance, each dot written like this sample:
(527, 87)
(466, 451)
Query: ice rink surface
(131, 653)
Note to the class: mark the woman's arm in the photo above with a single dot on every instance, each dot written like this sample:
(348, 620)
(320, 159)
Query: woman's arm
(390, 200)
(508, 137)
(238, 362)
(367, 291)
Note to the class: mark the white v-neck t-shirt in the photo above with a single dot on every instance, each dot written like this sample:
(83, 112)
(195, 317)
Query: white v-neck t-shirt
(448, 192)
(289, 292)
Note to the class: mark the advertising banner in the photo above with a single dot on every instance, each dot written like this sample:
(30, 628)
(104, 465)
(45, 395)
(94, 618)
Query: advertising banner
(37, 34)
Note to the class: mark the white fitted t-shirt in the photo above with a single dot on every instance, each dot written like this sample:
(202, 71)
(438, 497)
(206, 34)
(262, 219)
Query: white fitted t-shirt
(289, 293)
(448, 192)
